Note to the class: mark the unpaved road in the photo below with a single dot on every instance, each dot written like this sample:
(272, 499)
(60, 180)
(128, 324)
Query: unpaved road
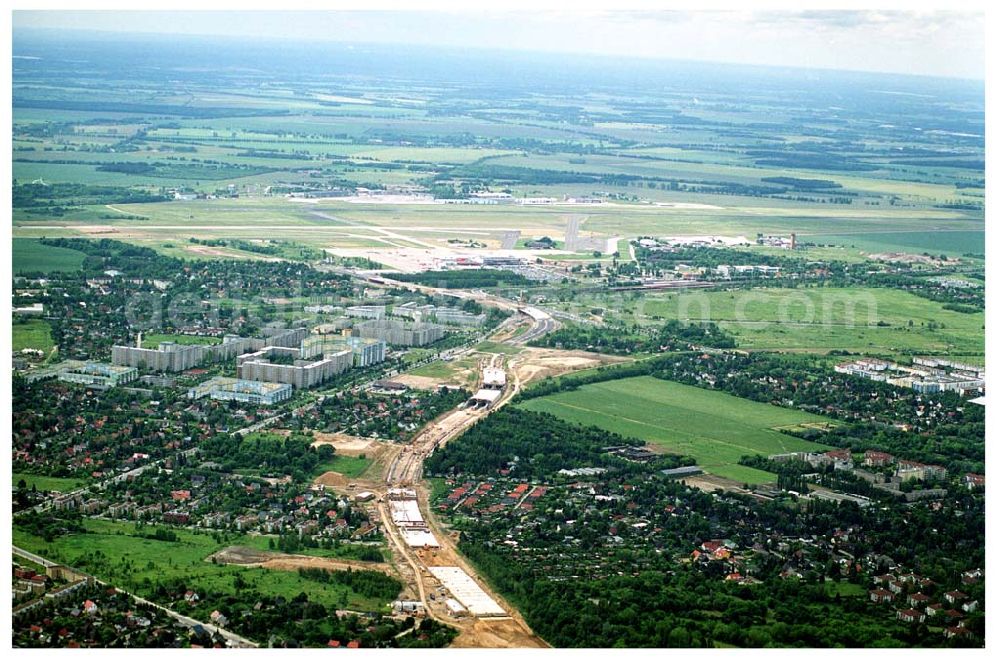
(249, 557)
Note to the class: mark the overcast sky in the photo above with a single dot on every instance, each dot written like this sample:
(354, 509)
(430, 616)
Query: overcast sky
(926, 43)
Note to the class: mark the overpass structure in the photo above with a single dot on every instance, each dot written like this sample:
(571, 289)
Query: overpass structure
(542, 324)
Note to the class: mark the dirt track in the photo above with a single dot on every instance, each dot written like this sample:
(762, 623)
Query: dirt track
(539, 363)
(496, 633)
(407, 471)
(331, 479)
(418, 381)
(249, 557)
(711, 483)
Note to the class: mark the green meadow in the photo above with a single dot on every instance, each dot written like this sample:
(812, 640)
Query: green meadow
(116, 552)
(349, 466)
(871, 320)
(952, 243)
(713, 427)
(32, 333)
(47, 483)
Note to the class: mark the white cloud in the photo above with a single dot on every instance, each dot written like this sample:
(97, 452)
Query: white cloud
(930, 42)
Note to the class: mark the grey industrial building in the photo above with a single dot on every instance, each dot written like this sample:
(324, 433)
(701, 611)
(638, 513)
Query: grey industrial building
(681, 472)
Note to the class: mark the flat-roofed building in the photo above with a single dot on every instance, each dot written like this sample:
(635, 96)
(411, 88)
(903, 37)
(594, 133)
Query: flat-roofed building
(243, 391)
(174, 357)
(681, 472)
(450, 316)
(467, 591)
(168, 356)
(300, 373)
(373, 311)
(96, 374)
(398, 333)
(366, 352)
(445, 315)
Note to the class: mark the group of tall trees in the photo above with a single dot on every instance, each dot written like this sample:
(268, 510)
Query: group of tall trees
(533, 445)
(271, 454)
(673, 335)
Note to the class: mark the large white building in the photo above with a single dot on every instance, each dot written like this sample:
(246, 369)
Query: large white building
(373, 311)
(265, 366)
(243, 391)
(366, 351)
(398, 333)
(925, 376)
(467, 591)
(96, 374)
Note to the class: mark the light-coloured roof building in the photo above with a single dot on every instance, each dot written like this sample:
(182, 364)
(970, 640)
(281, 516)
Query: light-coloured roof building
(467, 591)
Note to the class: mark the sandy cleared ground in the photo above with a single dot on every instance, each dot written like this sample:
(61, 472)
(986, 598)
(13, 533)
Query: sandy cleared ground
(418, 381)
(539, 363)
(237, 555)
(496, 633)
(331, 479)
(349, 445)
(204, 250)
(710, 483)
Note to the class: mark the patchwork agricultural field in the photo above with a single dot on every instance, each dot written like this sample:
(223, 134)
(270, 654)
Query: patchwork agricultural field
(713, 427)
(659, 163)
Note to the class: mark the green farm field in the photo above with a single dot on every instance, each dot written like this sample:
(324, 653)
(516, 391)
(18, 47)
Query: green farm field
(808, 319)
(32, 256)
(831, 319)
(493, 348)
(436, 369)
(111, 550)
(952, 243)
(713, 427)
(462, 371)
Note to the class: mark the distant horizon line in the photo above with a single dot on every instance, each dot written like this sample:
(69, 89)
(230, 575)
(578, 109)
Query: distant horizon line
(492, 49)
